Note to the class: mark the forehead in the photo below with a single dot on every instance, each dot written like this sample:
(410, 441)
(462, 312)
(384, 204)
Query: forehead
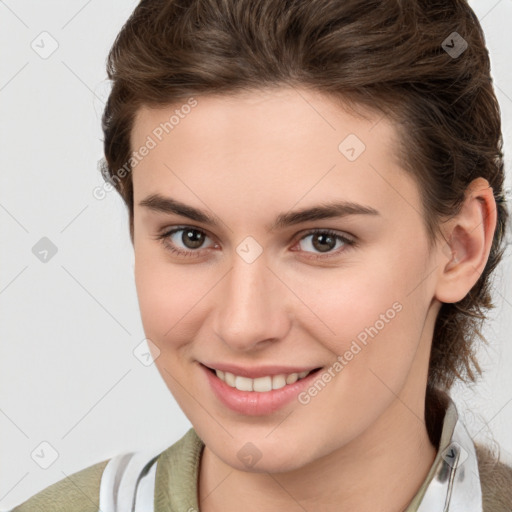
(283, 144)
(274, 115)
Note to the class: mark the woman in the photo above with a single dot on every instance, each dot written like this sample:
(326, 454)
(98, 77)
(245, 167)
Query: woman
(316, 205)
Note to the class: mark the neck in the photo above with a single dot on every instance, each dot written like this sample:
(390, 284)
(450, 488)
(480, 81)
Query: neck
(382, 469)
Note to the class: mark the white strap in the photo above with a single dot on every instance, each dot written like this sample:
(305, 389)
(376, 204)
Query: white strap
(129, 478)
(456, 485)
(144, 500)
(110, 481)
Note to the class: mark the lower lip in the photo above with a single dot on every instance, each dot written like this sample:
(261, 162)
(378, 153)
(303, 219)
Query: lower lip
(255, 403)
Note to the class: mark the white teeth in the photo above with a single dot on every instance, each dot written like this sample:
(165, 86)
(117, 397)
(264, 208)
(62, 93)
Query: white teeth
(229, 379)
(261, 384)
(293, 377)
(243, 383)
(278, 381)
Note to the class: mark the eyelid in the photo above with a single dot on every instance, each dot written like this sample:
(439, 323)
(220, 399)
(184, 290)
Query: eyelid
(179, 227)
(334, 232)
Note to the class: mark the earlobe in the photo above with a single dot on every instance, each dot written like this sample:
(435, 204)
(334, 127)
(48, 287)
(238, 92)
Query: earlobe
(469, 234)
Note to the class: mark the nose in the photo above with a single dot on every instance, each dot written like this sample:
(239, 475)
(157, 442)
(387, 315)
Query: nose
(252, 306)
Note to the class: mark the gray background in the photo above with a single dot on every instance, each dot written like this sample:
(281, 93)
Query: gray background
(69, 327)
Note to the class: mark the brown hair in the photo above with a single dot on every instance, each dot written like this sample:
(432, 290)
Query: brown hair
(390, 56)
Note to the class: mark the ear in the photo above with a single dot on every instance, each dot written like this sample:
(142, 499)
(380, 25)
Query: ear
(469, 236)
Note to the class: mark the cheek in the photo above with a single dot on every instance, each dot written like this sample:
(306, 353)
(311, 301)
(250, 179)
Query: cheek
(157, 287)
(155, 303)
(171, 298)
(167, 312)
(366, 315)
(344, 303)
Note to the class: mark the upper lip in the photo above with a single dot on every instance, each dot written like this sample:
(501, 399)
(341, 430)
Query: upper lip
(258, 371)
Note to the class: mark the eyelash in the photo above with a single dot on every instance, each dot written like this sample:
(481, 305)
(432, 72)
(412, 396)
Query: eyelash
(349, 242)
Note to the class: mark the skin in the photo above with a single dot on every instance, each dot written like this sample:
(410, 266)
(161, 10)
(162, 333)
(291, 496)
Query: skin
(361, 444)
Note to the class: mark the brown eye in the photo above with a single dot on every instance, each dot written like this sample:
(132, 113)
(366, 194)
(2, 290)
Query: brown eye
(192, 238)
(190, 242)
(324, 241)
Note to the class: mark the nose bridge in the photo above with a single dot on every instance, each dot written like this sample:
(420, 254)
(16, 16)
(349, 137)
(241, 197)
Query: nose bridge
(247, 310)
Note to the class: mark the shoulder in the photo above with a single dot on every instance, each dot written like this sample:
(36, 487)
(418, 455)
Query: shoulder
(78, 492)
(495, 479)
(176, 471)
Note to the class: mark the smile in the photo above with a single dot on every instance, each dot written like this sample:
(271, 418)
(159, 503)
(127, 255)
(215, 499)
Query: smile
(256, 396)
(261, 384)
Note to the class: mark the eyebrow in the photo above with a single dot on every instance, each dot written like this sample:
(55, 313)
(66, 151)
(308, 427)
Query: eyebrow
(333, 209)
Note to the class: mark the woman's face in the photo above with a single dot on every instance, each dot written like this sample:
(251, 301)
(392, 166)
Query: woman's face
(257, 289)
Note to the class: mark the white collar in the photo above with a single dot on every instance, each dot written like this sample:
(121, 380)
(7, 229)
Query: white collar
(453, 482)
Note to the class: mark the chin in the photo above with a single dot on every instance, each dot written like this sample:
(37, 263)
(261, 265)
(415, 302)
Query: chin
(266, 460)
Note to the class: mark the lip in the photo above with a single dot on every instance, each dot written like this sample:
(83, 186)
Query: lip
(258, 371)
(253, 403)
